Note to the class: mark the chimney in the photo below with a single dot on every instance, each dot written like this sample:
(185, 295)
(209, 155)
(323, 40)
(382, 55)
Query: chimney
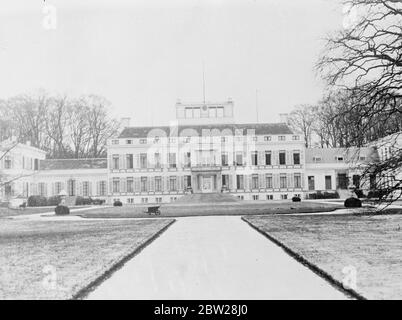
(283, 117)
(125, 122)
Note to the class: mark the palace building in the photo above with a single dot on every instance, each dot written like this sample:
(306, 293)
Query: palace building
(202, 151)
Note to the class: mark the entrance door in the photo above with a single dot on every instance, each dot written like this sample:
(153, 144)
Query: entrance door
(206, 184)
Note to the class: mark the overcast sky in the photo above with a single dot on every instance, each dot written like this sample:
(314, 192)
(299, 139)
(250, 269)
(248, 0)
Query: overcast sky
(143, 55)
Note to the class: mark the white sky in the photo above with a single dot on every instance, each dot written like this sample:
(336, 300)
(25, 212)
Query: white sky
(143, 55)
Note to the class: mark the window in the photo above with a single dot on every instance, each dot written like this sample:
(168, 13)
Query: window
(156, 139)
(102, 188)
(158, 184)
(172, 183)
(115, 162)
(240, 197)
(282, 157)
(130, 185)
(225, 180)
(42, 189)
(144, 200)
(339, 158)
(196, 113)
(129, 141)
(143, 161)
(240, 181)
(225, 159)
(130, 200)
(270, 197)
(356, 180)
(157, 160)
(7, 162)
(36, 164)
(311, 184)
(219, 112)
(296, 158)
(129, 161)
(116, 185)
(172, 160)
(71, 187)
(297, 178)
(267, 158)
(267, 138)
(187, 181)
(281, 138)
(85, 188)
(283, 181)
(57, 188)
(254, 158)
(296, 138)
(143, 141)
(284, 196)
(254, 181)
(172, 140)
(144, 184)
(187, 159)
(115, 141)
(187, 139)
(255, 197)
(188, 113)
(239, 158)
(158, 200)
(212, 112)
(268, 181)
(328, 182)
(255, 139)
(224, 139)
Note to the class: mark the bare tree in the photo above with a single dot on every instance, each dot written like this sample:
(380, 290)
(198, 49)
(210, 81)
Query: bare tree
(301, 119)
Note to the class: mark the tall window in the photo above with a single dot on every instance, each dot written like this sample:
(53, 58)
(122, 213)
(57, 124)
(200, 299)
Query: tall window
(296, 158)
(71, 186)
(143, 161)
(158, 184)
(225, 180)
(297, 178)
(42, 189)
(102, 187)
(187, 159)
(130, 185)
(282, 157)
(254, 181)
(254, 158)
(116, 185)
(311, 184)
(328, 182)
(144, 184)
(57, 187)
(129, 161)
(281, 138)
(240, 181)
(172, 183)
(187, 181)
(225, 159)
(172, 160)
(239, 158)
(85, 188)
(268, 181)
(283, 181)
(157, 160)
(7, 162)
(268, 161)
(115, 161)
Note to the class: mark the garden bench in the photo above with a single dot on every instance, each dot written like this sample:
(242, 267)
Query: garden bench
(154, 209)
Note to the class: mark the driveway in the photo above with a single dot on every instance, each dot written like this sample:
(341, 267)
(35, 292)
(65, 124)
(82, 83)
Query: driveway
(218, 257)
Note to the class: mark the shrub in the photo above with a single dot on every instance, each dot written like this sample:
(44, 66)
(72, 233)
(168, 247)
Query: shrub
(62, 210)
(53, 201)
(37, 201)
(353, 203)
(98, 201)
(296, 199)
(83, 201)
(117, 203)
(359, 193)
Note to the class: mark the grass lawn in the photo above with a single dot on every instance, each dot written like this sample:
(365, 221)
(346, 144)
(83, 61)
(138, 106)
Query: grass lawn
(372, 244)
(238, 208)
(7, 212)
(78, 251)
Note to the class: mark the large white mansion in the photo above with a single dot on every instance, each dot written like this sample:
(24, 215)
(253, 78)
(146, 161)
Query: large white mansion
(203, 150)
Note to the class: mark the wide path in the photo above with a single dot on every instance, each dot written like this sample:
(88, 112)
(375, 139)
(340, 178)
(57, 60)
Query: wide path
(217, 257)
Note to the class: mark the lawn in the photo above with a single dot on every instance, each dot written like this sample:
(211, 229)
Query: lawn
(56, 259)
(7, 212)
(371, 244)
(238, 208)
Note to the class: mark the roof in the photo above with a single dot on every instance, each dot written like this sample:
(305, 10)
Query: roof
(328, 155)
(72, 164)
(260, 129)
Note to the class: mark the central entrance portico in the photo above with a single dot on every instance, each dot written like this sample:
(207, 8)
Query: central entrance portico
(206, 180)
